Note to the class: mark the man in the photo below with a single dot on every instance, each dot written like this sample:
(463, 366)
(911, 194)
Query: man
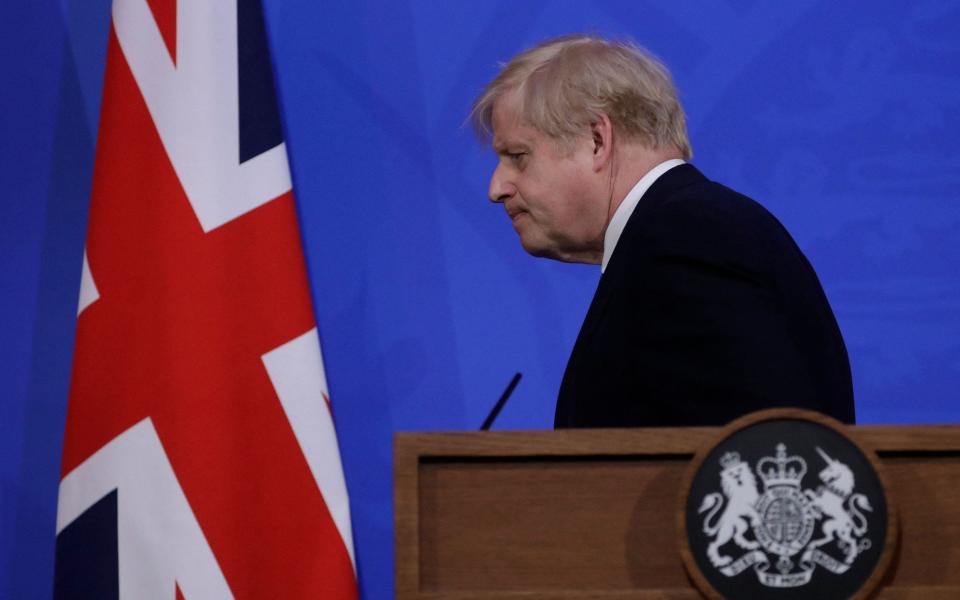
(706, 308)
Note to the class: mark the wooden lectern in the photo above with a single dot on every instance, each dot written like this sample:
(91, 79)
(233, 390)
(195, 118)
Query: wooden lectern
(592, 513)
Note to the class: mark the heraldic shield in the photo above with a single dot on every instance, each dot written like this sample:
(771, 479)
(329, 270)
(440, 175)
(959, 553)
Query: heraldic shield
(785, 508)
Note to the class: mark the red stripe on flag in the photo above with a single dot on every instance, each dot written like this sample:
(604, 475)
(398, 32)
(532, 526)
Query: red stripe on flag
(165, 14)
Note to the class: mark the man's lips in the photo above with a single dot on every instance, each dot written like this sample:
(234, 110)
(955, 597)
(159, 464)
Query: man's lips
(514, 213)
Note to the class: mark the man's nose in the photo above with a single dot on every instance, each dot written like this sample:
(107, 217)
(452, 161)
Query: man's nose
(500, 187)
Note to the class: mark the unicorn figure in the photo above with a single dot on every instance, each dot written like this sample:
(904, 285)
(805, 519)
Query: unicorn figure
(835, 500)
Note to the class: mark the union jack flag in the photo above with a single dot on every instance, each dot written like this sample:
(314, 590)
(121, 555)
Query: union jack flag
(200, 458)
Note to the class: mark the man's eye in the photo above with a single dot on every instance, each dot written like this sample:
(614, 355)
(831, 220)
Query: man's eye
(516, 156)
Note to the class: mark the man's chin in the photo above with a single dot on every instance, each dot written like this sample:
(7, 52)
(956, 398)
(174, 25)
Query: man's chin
(540, 250)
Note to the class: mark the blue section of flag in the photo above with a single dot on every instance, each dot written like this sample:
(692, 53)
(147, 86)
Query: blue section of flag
(260, 127)
(86, 554)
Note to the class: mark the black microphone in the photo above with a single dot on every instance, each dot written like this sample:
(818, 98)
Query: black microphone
(503, 400)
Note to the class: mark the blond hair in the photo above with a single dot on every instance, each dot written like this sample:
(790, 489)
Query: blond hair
(564, 83)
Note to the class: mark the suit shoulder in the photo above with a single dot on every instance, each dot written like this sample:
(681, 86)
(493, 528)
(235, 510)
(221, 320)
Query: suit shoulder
(713, 217)
(707, 226)
(714, 202)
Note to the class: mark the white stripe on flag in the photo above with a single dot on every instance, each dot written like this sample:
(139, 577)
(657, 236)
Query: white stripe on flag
(88, 287)
(296, 371)
(195, 107)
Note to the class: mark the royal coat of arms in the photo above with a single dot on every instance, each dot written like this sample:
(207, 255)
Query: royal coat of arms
(784, 532)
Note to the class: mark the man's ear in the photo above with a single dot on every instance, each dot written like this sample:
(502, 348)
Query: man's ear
(601, 133)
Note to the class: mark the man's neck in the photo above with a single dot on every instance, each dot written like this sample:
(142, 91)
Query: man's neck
(624, 211)
(633, 162)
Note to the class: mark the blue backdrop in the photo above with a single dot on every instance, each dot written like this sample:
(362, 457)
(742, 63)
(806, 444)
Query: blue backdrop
(841, 117)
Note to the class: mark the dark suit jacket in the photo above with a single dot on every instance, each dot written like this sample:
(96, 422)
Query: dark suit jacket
(707, 310)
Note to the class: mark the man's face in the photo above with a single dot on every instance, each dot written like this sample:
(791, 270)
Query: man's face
(554, 196)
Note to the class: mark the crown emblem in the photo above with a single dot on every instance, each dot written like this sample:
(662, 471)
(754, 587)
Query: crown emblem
(782, 470)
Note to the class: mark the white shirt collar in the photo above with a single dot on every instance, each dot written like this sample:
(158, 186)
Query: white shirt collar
(623, 212)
